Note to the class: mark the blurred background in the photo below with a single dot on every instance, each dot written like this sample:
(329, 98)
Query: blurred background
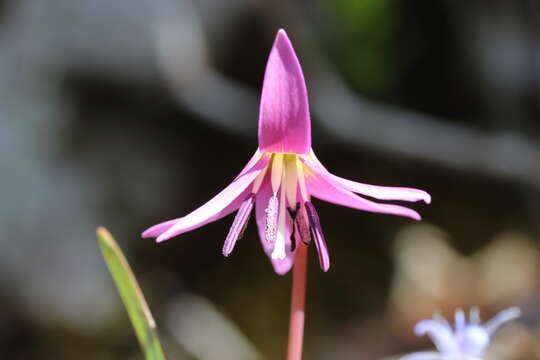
(127, 113)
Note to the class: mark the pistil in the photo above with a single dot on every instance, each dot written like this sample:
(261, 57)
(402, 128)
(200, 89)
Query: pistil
(279, 246)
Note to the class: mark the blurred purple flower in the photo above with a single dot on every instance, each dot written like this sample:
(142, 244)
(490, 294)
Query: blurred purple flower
(468, 341)
(283, 175)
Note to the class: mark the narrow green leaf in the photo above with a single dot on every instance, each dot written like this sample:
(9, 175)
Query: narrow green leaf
(132, 296)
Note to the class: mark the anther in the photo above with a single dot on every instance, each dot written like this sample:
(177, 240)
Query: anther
(292, 215)
(302, 222)
(318, 237)
(271, 219)
(239, 225)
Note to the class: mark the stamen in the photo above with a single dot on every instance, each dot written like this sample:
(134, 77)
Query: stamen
(316, 232)
(301, 179)
(239, 225)
(292, 179)
(279, 246)
(460, 320)
(474, 315)
(302, 222)
(292, 215)
(277, 170)
(292, 212)
(271, 219)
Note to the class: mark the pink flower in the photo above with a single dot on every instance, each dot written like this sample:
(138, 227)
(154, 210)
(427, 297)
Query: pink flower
(284, 173)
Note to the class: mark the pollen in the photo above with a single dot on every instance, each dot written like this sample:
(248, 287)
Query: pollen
(271, 219)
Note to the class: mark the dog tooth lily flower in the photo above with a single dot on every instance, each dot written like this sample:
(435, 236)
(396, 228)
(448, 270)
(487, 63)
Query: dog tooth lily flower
(284, 174)
(467, 341)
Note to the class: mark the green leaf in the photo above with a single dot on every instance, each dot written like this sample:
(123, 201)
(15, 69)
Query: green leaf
(132, 296)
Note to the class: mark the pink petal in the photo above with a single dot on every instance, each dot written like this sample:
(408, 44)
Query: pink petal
(284, 122)
(251, 163)
(281, 267)
(227, 201)
(377, 192)
(158, 229)
(325, 188)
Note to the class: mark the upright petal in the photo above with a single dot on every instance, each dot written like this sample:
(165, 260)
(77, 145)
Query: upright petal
(227, 201)
(323, 187)
(374, 191)
(284, 122)
(460, 322)
(281, 267)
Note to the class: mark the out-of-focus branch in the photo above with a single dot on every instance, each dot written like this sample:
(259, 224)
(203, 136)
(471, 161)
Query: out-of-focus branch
(501, 154)
(183, 55)
(344, 114)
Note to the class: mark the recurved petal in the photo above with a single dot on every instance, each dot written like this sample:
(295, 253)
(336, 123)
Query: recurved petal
(284, 122)
(441, 336)
(374, 191)
(251, 163)
(228, 200)
(281, 267)
(501, 318)
(325, 188)
(159, 229)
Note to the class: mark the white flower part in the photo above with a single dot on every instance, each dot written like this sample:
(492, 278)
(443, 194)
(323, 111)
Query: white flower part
(279, 248)
(423, 355)
(467, 341)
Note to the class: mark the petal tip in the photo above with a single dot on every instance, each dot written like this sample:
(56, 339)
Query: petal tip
(282, 33)
(282, 267)
(282, 39)
(412, 214)
(162, 238)
(284, 120)
(427, 198)
(421, 327)
(326, 268)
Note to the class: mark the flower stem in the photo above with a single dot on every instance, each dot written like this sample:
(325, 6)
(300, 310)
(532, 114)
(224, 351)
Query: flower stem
(298, 301)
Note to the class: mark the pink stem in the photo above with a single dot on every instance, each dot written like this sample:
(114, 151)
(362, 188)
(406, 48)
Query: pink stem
(298, 301)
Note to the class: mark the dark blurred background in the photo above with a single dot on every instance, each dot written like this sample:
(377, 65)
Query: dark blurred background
(127, 113)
